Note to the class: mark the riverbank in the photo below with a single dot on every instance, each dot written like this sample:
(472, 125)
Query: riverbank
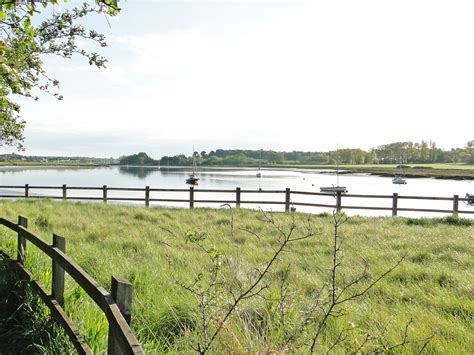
(156, 250)
(45, 164)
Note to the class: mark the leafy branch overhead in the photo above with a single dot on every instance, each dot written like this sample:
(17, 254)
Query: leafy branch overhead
(23, 46)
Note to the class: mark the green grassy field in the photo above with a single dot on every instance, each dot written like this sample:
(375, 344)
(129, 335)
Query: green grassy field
(433, 286)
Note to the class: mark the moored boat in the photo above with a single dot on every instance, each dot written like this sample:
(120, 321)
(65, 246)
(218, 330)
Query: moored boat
(399, 180)
(333, 189)
(470, 199)
(193, 178)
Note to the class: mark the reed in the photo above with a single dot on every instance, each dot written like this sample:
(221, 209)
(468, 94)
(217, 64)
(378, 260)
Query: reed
(433, 286)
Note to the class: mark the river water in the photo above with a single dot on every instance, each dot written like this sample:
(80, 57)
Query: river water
(245, 178)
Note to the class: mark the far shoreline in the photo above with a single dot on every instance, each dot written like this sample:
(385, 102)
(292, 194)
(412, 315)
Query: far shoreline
(435, 171)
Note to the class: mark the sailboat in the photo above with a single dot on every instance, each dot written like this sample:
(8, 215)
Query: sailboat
(259, 173)
(193, 178)
(399, 179)
(334, 189)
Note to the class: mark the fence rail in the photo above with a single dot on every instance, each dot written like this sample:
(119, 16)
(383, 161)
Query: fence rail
(116, 306)
(192, 198)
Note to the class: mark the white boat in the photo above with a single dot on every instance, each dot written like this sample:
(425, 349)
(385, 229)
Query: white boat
(334, 189)
(399, 179)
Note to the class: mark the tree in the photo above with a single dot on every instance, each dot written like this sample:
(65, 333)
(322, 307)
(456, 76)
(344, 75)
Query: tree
(138, 159)
(23, 46)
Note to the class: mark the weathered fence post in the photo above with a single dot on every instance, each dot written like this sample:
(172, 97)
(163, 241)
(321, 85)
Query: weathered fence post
(64, 192)
(147, 196)
(57, 287)
(104, 193)
(23, 222)
(394, 204)
(27, 188)
(122, 295)
(191, 197)
(338, 201)
(455, 205)
(237, 197)
(287, 199)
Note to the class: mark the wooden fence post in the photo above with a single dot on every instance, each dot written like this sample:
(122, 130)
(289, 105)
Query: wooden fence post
(237, 197)
(455, 205)
(147, 196)
(27, 188)
(287, 199)
(394, 204)
(122, 295)
(57, 286)
(22, 221)
(191, 197)
(64, 192)
(338, 201)
(104, 193)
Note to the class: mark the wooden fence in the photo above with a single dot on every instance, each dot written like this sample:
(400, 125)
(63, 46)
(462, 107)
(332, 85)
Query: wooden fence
(116, 306)
(193, 193)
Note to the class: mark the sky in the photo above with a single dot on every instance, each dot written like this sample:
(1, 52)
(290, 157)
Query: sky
(280, 75)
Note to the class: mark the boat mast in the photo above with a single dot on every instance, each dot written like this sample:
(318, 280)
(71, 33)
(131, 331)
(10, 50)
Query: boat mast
(194, 163)
(337, 163)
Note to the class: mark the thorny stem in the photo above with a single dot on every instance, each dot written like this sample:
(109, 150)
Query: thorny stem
(252, 290)
(337, 297)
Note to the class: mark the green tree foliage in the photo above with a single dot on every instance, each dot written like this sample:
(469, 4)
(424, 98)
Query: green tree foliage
(138, 159)
(393, 153)
(23, 46)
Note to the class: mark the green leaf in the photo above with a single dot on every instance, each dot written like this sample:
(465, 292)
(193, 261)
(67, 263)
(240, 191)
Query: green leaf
(27, 23)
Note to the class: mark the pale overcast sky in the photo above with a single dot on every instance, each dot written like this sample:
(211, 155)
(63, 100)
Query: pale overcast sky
(264, 74)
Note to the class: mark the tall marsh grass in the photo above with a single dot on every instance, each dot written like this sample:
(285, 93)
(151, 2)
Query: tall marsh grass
(433, 286)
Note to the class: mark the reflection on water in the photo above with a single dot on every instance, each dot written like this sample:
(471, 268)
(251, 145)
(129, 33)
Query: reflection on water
(140, 172)
(22, 169)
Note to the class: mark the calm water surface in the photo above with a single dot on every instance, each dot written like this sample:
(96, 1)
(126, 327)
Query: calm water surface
(230, 178)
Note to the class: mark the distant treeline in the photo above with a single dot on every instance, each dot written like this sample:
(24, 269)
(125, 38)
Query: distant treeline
(399, 152)
(138, 159)
(14, 158)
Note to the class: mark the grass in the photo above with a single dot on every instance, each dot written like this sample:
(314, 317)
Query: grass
(25, 323)
(434, 285)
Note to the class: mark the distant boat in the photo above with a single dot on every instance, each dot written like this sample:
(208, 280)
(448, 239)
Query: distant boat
(259, 173)
(470, 199)
(193, 178)
(399, 179)
(334, 189)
